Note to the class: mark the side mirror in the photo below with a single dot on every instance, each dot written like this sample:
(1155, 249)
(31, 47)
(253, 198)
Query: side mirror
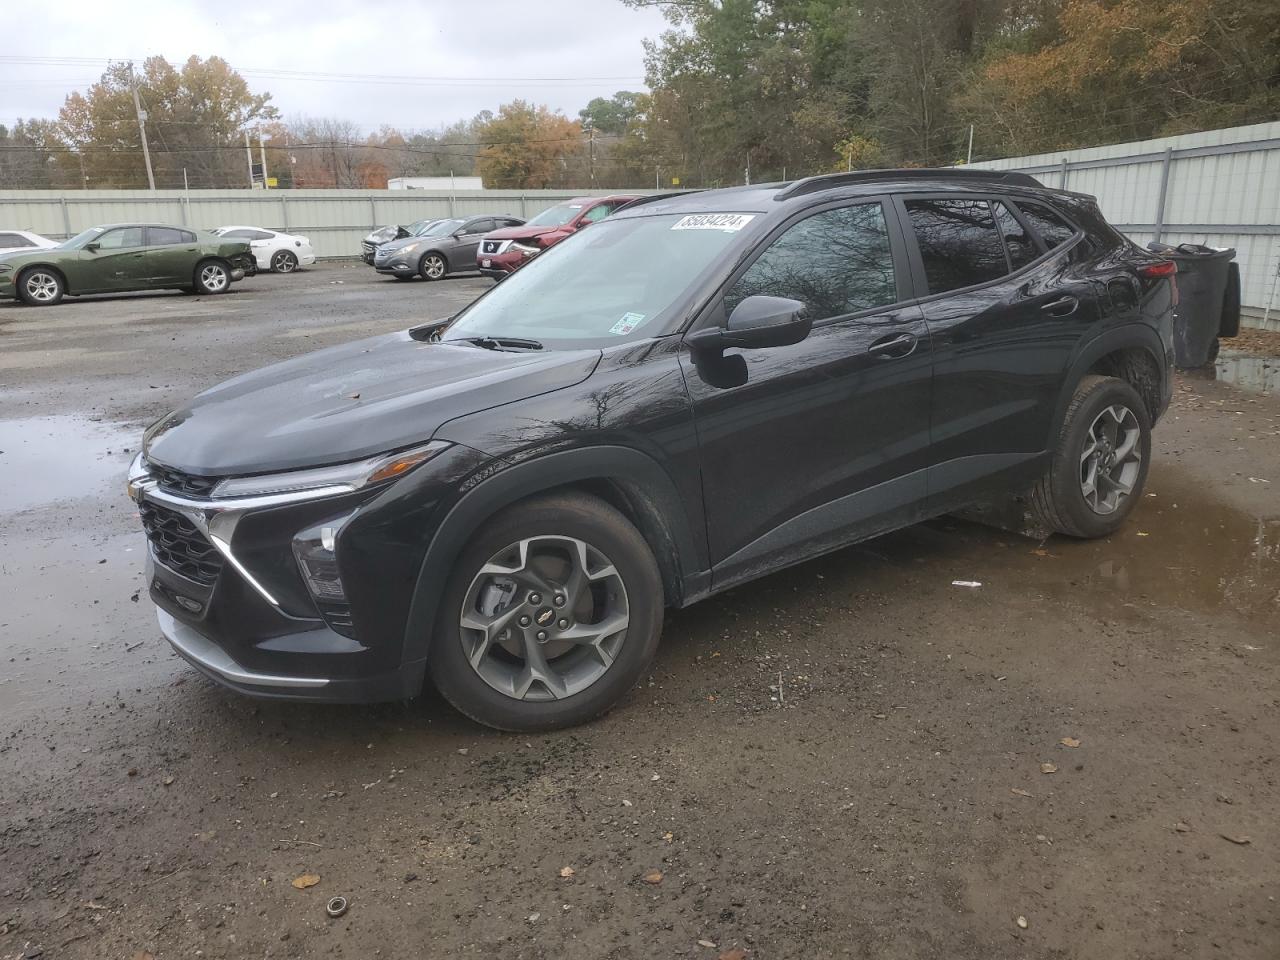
(92, 246)
(756, 322)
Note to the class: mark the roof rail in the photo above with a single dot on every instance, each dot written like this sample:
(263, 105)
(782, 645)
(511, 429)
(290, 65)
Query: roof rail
(652, 197)
(827, 181)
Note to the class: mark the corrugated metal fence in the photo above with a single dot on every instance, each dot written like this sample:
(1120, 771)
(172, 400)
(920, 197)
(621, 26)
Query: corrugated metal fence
(1219, 187)
(334, 220)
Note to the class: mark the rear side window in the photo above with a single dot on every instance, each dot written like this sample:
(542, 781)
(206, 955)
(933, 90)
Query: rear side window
(958, 241)
(1021, 247)
(1053, 230)
(836, 262)
(162, 236)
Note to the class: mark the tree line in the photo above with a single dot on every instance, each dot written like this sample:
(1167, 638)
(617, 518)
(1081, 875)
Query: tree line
(738, 89)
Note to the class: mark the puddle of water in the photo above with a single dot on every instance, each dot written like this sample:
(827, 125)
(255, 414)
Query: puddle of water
(1179, 549)
(47, 459)
(1261, 374)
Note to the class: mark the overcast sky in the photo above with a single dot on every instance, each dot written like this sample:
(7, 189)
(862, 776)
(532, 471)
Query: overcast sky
(595, 45)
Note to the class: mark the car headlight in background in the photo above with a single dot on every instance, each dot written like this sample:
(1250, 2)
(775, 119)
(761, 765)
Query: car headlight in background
(526, 249)
(330, 481)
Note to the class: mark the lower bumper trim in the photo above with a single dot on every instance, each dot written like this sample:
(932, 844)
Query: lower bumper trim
(207, 655)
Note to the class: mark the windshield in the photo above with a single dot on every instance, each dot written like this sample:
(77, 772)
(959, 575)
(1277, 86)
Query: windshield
(438, 228)
(80, 239)
(422, 227)
(557, 215)
(617, 280)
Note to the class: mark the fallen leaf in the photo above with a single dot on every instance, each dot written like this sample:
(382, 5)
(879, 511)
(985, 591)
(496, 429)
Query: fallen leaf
(1040, 552)
(706, 943)
(306, 880)
(1069, 742)
(653, 877)
(167, 781)
(1236, 838)
(144, 955)
(668, 837)
(1022, 922)
(737, 953)
(1020, 793)
(1048, 768)
(566, 872)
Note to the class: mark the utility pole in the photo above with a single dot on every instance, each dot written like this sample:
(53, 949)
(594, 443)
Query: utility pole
(262, 153)
(748, 173)
(248, 156)
(142, 126)
(591, 129)
(969, 159)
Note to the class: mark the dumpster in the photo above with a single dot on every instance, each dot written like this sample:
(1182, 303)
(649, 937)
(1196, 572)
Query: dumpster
(1208, 300)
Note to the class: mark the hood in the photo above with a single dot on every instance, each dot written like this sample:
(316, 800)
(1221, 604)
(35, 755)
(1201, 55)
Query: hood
(350, 402)
(383, 234)
(523, 233)
(391, 246)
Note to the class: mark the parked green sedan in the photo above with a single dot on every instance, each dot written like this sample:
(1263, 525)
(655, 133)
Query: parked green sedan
(122, 257)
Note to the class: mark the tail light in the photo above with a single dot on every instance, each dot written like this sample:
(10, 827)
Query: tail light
(1159, 271)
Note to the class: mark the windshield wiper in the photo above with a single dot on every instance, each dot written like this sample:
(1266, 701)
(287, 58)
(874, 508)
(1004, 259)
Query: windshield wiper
(499, 343)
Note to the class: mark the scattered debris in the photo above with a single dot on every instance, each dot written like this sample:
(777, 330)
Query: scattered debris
(306, 880)
(463, 751)
(535, 917)
(971, 584)
(336, 907)
(168, 781)
(737, 953)
(627, 803)
(1048, 768)
(567, 872)
(668, 837)
(1022, 922)
(1236, 838)
(1181, 827)
(653, 877)
(706, 943)
(1069, 742)
(1021, 793)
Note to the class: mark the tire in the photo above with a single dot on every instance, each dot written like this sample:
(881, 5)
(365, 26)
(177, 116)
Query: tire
(283, 261)
(585, 674)
(1105, 437)
(433, 266)
(41, 287)
(212, 277)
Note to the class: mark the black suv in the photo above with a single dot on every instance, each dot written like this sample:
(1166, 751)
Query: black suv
(694, 392)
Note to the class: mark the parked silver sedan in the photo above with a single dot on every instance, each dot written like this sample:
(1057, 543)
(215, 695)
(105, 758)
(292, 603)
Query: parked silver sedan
(448, 246)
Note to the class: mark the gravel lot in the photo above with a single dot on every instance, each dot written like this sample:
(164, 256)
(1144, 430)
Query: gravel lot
(852, 758)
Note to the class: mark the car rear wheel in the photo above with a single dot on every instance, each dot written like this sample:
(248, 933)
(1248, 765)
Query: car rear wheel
(283, 261)
(212, 277)
(1099, 465)
(552, 614)
(433, 267)
(40, 287)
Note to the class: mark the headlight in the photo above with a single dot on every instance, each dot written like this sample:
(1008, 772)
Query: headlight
(526, 249)
(407, 248)
(330, 481)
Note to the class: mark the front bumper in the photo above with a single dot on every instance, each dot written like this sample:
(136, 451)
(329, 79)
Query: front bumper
(498, 265)
(397, 268)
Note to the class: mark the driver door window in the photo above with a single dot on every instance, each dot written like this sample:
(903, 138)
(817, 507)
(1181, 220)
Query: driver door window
(121, 238)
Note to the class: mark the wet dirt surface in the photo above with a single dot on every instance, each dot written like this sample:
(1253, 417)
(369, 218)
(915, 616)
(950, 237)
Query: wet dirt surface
(850, 758)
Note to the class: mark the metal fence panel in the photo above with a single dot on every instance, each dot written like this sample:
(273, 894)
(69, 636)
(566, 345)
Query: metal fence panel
(334, 220)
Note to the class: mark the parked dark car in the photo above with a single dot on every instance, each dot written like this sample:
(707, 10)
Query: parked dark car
(696, 392)
(503, 250)
(122, 257)
(445, 247)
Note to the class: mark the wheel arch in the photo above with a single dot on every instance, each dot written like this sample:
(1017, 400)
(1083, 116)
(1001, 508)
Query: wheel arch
(1133, 353)
(51, 267)
(628, 480)
(438, 252)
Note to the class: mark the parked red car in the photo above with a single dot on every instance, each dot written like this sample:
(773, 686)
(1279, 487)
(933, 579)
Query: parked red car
(501, 251)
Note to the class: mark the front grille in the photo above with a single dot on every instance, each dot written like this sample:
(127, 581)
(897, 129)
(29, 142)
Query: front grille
(366, 246)
(184, 484)
(179, 545)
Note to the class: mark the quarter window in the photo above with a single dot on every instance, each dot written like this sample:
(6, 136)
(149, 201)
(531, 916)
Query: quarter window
(836, 262)
(1022, 248)
(1053, 230)
(120, 238)
(959, 243)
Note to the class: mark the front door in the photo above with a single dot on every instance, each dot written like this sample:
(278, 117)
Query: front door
(807, 447)
(117, 262)
(463, 254)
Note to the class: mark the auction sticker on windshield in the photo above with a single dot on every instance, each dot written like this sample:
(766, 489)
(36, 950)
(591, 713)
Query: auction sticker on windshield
(729, 222)
(626, 324)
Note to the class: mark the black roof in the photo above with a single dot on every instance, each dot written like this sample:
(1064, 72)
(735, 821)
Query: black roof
(950, 174)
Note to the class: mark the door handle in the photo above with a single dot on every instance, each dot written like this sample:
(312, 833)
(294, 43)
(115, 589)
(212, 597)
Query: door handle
(894, 346)
(1062, 307)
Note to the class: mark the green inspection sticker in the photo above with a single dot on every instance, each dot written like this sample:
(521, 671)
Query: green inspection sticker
(628, 323)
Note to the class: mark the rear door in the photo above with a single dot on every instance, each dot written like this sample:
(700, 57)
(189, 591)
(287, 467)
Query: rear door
(1004, 314)
(171, 256)
(809, 446)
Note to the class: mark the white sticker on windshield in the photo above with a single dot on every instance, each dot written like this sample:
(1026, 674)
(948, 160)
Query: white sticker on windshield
(628, 323)
(728, 222)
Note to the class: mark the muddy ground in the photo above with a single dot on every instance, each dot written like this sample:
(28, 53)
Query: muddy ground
(853, 758)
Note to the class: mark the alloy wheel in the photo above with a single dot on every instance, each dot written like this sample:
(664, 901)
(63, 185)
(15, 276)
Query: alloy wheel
(42, 287)
(433, 266)
(544, 619)
(213, 277)
(1111, 459)
(284, 262)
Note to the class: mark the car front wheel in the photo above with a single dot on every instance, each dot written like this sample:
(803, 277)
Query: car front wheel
(1099, 464)
(552, 614)
(433, 267)
(212, 276)
(40, 287)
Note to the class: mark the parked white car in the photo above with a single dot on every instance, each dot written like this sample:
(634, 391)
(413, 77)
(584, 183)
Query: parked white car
(274, 251)
(22, 241)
